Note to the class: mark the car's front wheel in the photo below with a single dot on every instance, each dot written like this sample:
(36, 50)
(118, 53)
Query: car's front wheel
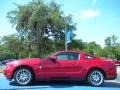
(95, 78)
(23, 76)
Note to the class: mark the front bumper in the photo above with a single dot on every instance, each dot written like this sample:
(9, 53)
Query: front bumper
(8, 71)
(7, 74)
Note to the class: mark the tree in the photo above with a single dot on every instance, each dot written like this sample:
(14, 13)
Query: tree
(93, 48)
(111, 41)
(13, 44)
(40, 22)
(108, 42)
(76, 44)
(112, 47)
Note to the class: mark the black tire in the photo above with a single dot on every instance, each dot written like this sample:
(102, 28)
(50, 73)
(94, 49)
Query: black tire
(95, 78)
(23, 76)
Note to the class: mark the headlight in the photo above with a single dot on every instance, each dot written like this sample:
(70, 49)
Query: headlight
(8, 66)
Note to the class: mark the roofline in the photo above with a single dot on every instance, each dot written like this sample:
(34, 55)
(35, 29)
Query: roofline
(71, 51)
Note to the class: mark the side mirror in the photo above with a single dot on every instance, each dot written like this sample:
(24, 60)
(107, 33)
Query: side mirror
(54, 59)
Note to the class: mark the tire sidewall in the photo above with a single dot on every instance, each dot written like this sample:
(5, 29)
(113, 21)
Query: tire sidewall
(15, 78)
(89, 81)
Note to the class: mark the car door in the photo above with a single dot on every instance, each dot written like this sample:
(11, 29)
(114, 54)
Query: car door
(67, 62)
(63, 67)
(50, 69)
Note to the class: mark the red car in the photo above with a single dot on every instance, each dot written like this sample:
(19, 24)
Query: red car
(61, 65)
(117, 63)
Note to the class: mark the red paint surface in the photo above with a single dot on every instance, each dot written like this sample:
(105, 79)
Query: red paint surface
(74, 69)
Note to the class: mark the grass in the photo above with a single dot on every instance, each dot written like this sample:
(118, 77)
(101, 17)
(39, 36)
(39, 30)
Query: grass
(1, 70)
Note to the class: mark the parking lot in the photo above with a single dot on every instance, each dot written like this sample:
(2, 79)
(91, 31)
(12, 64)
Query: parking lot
(64, 85)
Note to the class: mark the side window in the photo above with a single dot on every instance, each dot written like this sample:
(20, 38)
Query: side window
(73, 56)
(62, 56)
(89, 57)
(67, 56)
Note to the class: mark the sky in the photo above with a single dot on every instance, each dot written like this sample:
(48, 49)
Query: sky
(95, 19)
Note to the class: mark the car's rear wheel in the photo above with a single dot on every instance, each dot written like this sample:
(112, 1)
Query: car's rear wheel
(95, 78)
(23, 76)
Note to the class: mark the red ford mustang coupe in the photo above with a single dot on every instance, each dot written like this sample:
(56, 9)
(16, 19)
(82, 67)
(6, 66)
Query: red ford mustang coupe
(61, 65)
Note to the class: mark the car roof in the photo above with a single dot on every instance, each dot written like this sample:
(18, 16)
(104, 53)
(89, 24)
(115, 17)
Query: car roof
(70, 51)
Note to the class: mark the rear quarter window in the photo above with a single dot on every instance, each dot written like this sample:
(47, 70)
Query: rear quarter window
(89, 57)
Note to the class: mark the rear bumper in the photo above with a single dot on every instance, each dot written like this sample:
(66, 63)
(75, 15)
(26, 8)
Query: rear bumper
(111, 77)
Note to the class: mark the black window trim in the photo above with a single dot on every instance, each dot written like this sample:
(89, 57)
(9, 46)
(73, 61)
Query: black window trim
(71, 52)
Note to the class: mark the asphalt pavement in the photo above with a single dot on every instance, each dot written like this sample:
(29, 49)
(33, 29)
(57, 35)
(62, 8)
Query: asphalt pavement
(64, 85)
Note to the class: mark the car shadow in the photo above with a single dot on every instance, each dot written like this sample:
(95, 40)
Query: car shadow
(62, 84)
(55, 83)
(112, 84)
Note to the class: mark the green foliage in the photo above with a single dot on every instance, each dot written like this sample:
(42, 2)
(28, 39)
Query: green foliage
(5, 54)
(41, 31)
(111, 41)
(40, 23)
(14, 47)
(108, 42)
(76, 44)
(93, 48)
(112, 49)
